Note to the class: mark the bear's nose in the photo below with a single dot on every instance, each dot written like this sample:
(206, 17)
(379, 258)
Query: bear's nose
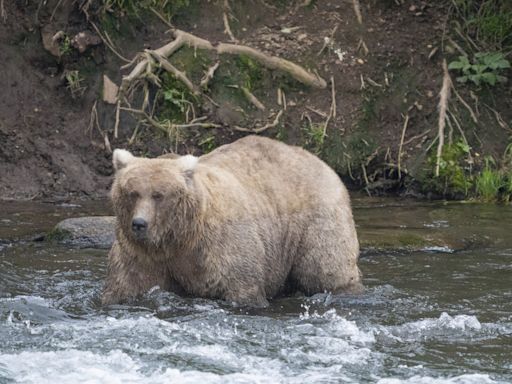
(139, 225)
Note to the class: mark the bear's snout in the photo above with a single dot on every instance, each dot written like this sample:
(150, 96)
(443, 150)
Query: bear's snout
(139, 226)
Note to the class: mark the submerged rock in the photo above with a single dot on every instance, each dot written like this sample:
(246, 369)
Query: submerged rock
(85, 232)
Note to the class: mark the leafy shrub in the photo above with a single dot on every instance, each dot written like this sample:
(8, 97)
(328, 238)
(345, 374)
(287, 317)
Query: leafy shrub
(485, 68)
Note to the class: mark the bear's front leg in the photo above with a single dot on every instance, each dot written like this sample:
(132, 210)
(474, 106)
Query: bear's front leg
(129, 276)
(247, 295)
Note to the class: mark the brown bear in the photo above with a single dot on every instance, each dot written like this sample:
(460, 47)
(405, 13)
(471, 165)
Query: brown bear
(244, 223)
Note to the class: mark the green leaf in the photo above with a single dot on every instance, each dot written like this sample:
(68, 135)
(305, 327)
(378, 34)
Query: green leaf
(455, 65)
(502, 64)
(464, 147)
(489, 78)
(479, 68)
(475, 79)
(462, 79)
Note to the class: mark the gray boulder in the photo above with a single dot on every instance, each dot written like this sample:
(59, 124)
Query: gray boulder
(85, 232)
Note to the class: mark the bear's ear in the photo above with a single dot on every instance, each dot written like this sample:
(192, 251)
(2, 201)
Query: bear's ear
(188, 164)
(121, 158)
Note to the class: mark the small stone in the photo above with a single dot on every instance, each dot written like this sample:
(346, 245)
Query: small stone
(84, 40)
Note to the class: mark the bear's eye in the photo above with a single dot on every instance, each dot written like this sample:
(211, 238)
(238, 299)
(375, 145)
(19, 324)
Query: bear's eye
(157, 195)
(133, 195)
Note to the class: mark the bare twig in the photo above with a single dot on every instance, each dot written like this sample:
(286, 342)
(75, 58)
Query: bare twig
(264, 128)
(357, 10)
(225, 18)
(332, 110)
(444, 95)
(54, 9)
(2, 11)
(406, 122)
(498, 118)
(373, 82)
(457, 124)
(333, 97)
(251, 98)
(319, 113)
(116, 125)
(362, 45)
(457, 47)
(169, 126)
(209, 75)
(473, 115)
(423, 134)
(161, 17)
(105, 41)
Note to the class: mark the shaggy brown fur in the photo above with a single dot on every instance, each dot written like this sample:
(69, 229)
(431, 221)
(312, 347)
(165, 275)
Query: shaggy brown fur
(246, 222)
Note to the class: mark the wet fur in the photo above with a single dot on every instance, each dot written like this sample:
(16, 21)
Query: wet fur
(245, 223)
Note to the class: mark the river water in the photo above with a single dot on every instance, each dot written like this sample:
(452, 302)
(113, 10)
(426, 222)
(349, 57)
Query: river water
(434, 313)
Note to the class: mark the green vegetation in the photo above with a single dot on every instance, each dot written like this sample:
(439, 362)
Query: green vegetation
(65, 46)
(489, 182)
(251, 73)
(134, 7)
(458, 178)
(174, 100)
(314, 137)
(484, 69)
(207, 143)
(487, 23)
(74, 83)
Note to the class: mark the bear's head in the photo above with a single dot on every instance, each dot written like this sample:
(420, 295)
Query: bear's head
(155, 200)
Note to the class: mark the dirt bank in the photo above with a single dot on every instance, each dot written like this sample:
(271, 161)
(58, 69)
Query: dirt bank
(386, 70)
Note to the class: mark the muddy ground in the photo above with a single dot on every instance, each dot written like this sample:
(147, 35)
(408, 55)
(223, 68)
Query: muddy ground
(384, 69)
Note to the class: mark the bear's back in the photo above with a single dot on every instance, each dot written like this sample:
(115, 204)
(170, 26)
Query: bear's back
(278, 169)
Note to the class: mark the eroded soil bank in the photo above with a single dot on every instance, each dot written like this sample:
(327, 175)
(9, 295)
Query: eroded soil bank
(385, 71)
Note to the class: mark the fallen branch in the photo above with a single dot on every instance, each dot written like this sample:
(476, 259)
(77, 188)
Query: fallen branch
(261, 129)
(443, 107)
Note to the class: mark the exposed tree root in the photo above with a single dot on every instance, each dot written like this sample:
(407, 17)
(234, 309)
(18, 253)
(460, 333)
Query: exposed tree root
(183, 38)
(164, 63)
(150, 61)
(209, 75)
(444, 95)
(272, 62)
(406, 122)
